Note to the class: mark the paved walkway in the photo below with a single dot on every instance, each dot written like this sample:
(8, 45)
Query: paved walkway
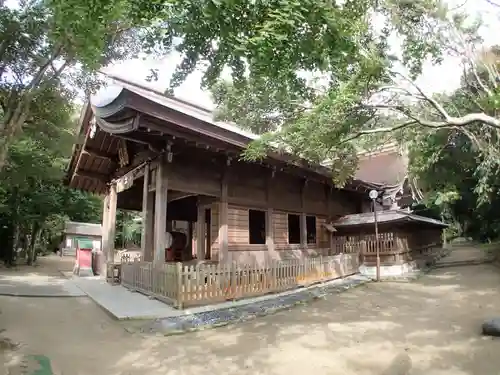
(468, 254)
(121, 303)
(43, 280)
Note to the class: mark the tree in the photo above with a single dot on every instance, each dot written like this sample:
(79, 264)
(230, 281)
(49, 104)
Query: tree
(129, 229)
(328, 125)
(453, 139)
(34, 205)
(66, 41)
(55, 42)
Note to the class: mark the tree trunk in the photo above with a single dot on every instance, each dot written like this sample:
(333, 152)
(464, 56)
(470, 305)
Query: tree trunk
(31, 256)
(18, 103)
(10, 224)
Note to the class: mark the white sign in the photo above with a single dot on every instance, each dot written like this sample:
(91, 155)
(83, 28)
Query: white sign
(373, 194)
(124, 183)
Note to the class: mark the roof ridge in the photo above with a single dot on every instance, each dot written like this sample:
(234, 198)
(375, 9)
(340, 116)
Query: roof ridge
(154, 91)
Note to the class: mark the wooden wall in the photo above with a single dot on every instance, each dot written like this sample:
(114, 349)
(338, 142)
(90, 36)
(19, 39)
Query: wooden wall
(214, 231)
(239, 248)
(254, 186)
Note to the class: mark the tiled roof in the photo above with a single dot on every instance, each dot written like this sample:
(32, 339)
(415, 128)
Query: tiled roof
(181, 106)
(384, 217)
(82, 229)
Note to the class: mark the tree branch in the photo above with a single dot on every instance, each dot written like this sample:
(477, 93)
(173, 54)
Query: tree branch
(388, 129)
(423, 96)
(452, 122)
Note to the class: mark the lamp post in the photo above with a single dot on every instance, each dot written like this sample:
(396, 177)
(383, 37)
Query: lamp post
(373, 196)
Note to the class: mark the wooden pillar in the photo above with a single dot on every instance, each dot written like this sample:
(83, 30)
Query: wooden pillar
(160, 222)
(190, 241)
(208, 243)
(104, 235)
(104, 225)
(110, 225)
(223, 230)
(147, 217)
(200, 232)
(329, 217)
(303, 220)
(270, 218)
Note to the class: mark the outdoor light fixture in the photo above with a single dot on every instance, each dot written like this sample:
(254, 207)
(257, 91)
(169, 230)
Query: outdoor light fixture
(373, 196)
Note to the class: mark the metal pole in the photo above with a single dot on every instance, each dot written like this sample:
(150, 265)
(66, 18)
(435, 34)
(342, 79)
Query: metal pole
(377, 245)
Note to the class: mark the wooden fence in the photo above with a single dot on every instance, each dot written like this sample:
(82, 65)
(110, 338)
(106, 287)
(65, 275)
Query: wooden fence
(365, 243)
(201, 284)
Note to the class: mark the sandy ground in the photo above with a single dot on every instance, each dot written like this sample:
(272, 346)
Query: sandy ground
(428, 327)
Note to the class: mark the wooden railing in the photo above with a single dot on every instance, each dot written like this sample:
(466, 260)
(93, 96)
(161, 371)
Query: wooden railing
(388, 242)
(209, 283)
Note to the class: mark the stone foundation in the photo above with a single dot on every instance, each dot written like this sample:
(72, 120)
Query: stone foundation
(388, 271)
(404, 269)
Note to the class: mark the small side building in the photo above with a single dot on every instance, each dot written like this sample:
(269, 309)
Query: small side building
(406, 241)
(74, 230)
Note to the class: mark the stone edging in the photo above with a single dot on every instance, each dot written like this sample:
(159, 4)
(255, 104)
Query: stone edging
(417, 274)
(217, 318)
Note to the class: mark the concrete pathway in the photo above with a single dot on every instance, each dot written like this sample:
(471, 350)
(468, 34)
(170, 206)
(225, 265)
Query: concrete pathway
(43, 280)
(468, 254)
(119, 302)
(38, 286)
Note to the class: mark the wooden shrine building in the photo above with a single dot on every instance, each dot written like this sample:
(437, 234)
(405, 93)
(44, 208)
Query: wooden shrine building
(169, 159)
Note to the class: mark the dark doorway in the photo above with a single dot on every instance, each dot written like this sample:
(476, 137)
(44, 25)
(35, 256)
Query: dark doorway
(257, 227)
(311, 229)
(293, 229)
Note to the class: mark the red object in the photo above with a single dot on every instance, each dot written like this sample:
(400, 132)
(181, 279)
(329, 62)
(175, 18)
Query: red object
(83, 262)
(84, 258)
(169, 255)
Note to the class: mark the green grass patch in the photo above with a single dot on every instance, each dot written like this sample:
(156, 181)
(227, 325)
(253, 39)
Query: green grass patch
(45, 366)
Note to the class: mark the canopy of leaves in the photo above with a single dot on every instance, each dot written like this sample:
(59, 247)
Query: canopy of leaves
(458, 167)
(319, 122)
(34, 204)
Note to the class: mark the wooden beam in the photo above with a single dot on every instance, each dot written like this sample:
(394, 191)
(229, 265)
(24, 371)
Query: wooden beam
(104, 238)
(136, 164)
(270, 215)
(176, 195)
(200, 231)
(223, 221)
(147, 218)
(202, 141)
(153, 146)
(160, 238)
(206, 201)
(92, 151)
(329, 197)
(92, 175)
(110, 229)
(303, 217)
(80, 153)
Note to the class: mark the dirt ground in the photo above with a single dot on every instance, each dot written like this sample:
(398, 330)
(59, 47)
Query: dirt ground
(428, 327)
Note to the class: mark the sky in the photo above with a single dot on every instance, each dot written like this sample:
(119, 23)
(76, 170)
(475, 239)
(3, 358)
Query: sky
(436, 78)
